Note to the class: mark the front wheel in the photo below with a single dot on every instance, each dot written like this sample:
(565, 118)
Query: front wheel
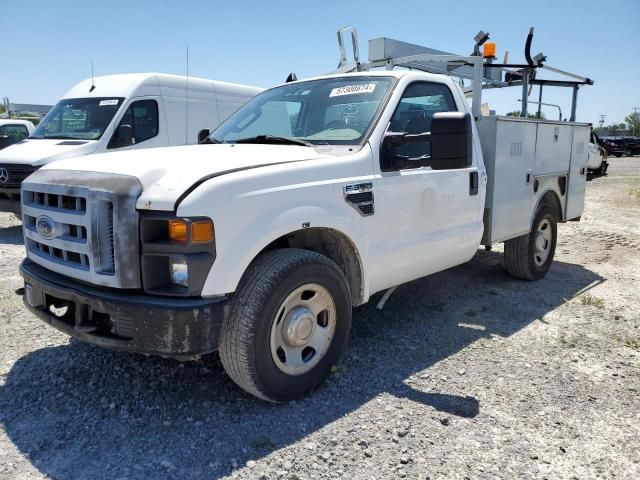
(287, 325)
(529, 256)
(603, 168)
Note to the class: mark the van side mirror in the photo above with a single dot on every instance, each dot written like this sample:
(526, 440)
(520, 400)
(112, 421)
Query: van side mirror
(202, 134)
(125, 135)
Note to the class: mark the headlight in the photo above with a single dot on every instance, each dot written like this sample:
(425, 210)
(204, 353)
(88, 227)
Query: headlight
(177, 253)
(179, 271)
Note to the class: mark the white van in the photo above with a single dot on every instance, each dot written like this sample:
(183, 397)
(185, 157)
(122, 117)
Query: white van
(119, 112)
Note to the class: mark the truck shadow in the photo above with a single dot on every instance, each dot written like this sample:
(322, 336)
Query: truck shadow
(77, 411)
(11, 235)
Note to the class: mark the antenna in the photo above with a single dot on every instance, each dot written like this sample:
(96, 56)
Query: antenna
(93, 85)
(186, 124)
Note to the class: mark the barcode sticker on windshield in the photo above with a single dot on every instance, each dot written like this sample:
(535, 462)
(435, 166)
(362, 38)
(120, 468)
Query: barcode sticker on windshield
(104, 103)
(353, 89)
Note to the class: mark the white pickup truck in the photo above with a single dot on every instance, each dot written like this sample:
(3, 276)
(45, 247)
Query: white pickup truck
(304, 203)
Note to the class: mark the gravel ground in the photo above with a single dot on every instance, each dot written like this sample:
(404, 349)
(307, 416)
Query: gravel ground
(464, 374)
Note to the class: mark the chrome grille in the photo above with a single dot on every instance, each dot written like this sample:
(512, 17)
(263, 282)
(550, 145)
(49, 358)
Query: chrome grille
(88, 233)
(66, 215)
(106, 255)
(68, 257)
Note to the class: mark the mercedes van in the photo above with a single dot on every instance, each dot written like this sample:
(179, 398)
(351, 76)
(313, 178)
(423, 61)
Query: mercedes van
(119, 112)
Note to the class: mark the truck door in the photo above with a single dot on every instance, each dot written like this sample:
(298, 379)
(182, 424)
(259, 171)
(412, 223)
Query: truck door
(425, 220)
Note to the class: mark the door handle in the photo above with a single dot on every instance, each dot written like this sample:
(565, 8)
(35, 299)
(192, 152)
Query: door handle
(473, 183)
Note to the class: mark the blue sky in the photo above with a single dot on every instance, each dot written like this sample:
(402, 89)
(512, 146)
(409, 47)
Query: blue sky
(47, 46)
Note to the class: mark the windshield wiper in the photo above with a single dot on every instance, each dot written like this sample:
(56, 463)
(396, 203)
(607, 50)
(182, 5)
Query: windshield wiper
(273, 139)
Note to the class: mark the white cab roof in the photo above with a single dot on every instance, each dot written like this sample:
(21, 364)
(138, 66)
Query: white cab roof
(399, 73)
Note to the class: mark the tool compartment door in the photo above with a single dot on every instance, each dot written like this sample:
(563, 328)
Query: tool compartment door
(578, 172)
(513, 164)
(553, 148)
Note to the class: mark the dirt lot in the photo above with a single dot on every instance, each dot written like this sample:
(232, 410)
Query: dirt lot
(465, 374)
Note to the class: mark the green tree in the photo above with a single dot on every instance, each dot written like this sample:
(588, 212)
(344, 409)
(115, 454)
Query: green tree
(518, 113)
(613, 129)
(633, 120)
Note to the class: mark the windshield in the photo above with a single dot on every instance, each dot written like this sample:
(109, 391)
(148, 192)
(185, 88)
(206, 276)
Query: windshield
(332, 111)
(78, 118)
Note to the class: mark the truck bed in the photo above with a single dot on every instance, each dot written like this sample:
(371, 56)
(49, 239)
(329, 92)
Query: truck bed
(526, 158)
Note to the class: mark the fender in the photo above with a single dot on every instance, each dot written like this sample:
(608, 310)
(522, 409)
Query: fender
(236, 253)
(544, 190)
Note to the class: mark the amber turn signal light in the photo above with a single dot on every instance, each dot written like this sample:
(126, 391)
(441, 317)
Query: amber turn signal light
(178, 230)
(202, 231)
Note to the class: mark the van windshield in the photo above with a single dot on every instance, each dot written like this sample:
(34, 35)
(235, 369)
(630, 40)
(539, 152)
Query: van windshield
(78, 118)
(331, 111)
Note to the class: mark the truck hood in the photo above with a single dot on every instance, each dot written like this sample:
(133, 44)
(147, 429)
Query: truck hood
(167, 173)
(39, 152)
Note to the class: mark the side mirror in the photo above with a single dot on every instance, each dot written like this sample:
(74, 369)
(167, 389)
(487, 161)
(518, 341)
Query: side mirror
(392, 160)
(125, 135)
(451, 140)
(202, 134)
(5, 141)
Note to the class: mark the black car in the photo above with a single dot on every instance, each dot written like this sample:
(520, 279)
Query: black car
(614, 146)
(631, 145)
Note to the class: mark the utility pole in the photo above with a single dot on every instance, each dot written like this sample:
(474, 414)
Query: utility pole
(635, 126)
(602, 117)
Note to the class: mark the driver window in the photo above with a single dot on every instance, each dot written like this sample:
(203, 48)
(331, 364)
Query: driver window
(415, 111)
(142, 116)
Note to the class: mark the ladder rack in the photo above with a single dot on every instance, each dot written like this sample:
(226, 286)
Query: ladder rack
(482, 72)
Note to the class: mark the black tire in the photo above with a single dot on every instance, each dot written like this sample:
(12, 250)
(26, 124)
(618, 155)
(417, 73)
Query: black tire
(603, 168)
(520, 252)
(245, 349)
(617, 155)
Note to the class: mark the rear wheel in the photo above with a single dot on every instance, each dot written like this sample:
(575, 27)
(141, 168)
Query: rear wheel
(529, 256)
(287, 325)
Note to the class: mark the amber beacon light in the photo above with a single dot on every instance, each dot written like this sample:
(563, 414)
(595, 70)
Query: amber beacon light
(489, 50)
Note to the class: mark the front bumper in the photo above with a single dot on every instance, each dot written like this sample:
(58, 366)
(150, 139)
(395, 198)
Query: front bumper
(10, 200)
(182, 328)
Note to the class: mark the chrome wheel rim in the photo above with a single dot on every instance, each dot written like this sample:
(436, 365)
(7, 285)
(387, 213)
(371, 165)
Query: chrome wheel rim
(542, 242)
(303, 328)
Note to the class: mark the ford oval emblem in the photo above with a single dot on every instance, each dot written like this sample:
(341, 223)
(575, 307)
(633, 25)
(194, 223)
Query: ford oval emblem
(46, 227)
